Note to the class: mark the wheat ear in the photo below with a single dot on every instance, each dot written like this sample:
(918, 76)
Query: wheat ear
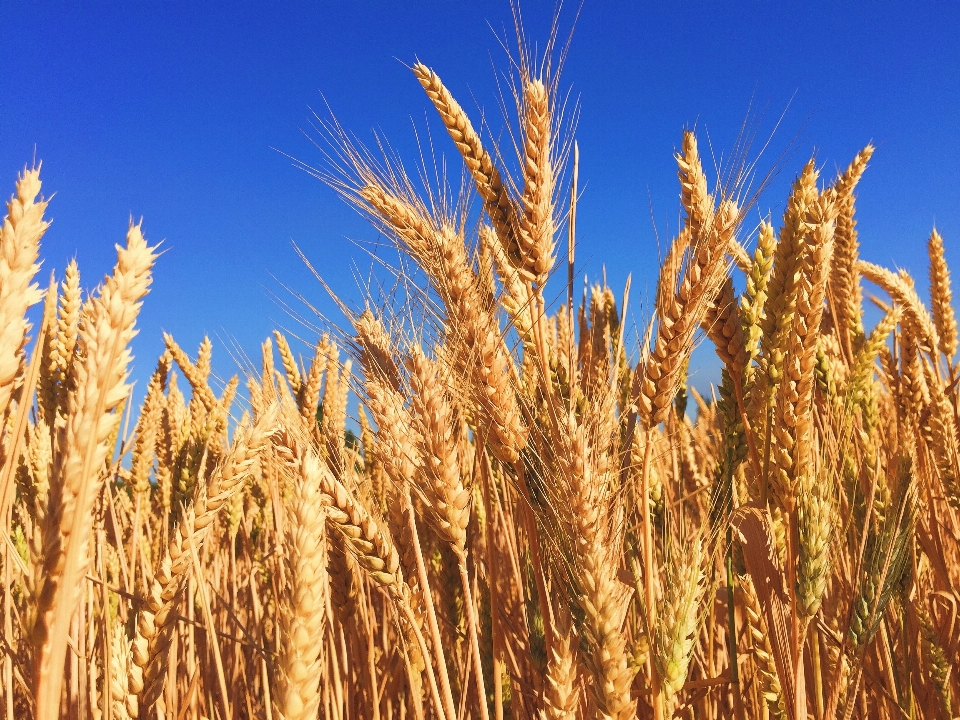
(478, 350)
(766, 668)
(289, 362)
(537, 224)
(309, 398)
(398, 450)
(148, 426)
(677, 620)
(694, 195)
(405, 219)
(123, 704)
(332, 425)
(940, 666)
(816, 525)
(344, 579)
(900, 287)
(473, 328)
(846, 295)
(55, 383)
(77, 479)
(449, 500)
(303, 604)
(496, 200)
(914, 393)
(723, 327)
(777, 321)
(23, 227)
(515, 296)
(193, 373)
(678, 319)
(373, 549)
(598, 592)
(793, 427)
(939, 429)
(561, 696)
(941, 295)
(754, 298)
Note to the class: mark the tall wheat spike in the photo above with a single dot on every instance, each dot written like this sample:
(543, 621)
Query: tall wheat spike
(941, 295)
(303, 605)
(77, 480)
(844, 289)
(537, 223)
(23, 226)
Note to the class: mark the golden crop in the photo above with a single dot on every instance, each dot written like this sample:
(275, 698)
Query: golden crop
(531, 524)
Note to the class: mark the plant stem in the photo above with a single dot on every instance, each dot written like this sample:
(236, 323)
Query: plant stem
(448, 707)
(648, 571)
(732, 626)
(474, 639)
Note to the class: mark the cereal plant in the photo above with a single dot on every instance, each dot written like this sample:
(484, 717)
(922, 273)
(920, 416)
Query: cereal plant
(540, 518)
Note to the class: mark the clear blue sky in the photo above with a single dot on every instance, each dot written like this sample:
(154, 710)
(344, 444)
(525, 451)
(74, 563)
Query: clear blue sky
(172, 111)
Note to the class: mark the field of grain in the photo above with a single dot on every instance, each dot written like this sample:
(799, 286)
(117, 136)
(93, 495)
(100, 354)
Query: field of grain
(539, 518)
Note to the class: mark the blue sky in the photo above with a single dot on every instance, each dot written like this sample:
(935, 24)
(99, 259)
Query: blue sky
(175, 112)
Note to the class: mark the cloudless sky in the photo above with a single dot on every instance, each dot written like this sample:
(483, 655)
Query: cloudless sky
(176, 112)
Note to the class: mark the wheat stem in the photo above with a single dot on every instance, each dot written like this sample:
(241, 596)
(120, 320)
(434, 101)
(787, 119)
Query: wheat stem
(474, 636)
(448, 708)
(650, 596)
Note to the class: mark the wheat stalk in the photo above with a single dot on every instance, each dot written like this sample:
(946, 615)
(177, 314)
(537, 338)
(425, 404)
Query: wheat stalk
(165, 590)
(77, 478)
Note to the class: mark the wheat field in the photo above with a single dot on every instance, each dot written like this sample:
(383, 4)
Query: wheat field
(539, 516)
